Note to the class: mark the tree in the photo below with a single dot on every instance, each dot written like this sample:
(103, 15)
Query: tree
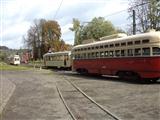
(147, 14)
(95, 29)
(42, 36)
(51, 33)
(76, 29)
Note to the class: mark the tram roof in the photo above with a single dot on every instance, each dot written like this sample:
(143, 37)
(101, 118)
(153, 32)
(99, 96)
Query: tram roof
(60, 52)
(149, 35)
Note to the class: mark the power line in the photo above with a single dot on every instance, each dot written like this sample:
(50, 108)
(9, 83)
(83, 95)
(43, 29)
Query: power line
(126, 9)
(58, 9)
(115, 13)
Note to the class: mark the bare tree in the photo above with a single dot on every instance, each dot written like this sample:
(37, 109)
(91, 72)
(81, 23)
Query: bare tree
(147, 14)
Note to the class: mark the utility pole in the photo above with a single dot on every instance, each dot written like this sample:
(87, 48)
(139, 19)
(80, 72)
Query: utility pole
(134, 23)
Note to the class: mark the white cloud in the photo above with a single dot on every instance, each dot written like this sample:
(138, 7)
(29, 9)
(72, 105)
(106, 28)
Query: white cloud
(65, 29)
(14, 43)
(15, 29)
(17, 15)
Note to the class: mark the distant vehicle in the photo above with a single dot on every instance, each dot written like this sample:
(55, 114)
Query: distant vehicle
(14, 60)
(57, 59)
(135, 57)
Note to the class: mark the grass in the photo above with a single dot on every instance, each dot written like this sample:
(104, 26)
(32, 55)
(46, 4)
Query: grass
(4, 66)
(36, 63)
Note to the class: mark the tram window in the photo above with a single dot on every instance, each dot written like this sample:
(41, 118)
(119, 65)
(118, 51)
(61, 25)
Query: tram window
(89, 55)
(58, 58)
(97, 47)
(81, 56)
(117, 44)
(106, 53)
(97, 54)
(111, 53)
(92, 48)
(66, 57)
(123, 44)
(137, 52)
(52, 58)
(49, 58)
(101, 46)
(111, 45)
(101, 54)
(123, 53)
(78, 56)
(145, 41)
(84, 55)
(89, 48)
(75, 56)
(130, 43)
(93, 55)
(130, 52)
(106, 46)
(156, 50)
(137, 42)
(145, 51)
(117, 53)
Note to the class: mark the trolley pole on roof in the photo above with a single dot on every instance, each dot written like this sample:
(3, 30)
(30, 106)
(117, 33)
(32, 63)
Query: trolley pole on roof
(134, 23)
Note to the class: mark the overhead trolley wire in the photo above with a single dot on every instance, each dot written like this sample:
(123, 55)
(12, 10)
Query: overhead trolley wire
(58, 9)
(125, 9)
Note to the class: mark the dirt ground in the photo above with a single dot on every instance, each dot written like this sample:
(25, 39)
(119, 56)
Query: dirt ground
(36, 96)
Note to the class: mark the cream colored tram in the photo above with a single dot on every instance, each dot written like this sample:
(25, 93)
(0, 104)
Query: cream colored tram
(136, 56)
(58, 59)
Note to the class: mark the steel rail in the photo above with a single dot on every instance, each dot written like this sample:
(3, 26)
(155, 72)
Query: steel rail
(100, 106)
(65, 104)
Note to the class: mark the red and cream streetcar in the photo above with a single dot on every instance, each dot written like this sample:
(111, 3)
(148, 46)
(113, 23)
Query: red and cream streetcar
(136, 56)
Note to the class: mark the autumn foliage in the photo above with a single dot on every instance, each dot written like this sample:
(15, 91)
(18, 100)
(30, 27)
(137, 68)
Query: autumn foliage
(45, 36)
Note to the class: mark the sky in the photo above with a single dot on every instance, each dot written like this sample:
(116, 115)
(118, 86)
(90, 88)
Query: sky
(16, 16)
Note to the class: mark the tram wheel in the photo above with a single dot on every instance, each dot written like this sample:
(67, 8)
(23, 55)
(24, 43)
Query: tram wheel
(120, 74)
(149, 80)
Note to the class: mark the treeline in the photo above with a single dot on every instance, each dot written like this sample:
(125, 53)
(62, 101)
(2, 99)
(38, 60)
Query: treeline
(96, 28)
(44, 36)
(6, 52)
(3, 48)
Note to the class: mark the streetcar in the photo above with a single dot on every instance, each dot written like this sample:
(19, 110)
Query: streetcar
(134, 57)
(14, 59)
(57, 59)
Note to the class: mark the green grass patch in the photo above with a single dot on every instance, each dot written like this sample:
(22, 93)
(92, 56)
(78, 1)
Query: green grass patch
(4, 66)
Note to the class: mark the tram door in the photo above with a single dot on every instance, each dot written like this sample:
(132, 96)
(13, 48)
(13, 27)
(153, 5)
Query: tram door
(65, 60)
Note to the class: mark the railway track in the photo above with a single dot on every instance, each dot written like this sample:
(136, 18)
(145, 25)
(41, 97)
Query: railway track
(79, 105)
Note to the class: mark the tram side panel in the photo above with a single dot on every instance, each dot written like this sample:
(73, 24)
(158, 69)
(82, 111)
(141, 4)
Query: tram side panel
(146, 67)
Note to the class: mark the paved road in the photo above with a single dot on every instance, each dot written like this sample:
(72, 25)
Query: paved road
(36, 97)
